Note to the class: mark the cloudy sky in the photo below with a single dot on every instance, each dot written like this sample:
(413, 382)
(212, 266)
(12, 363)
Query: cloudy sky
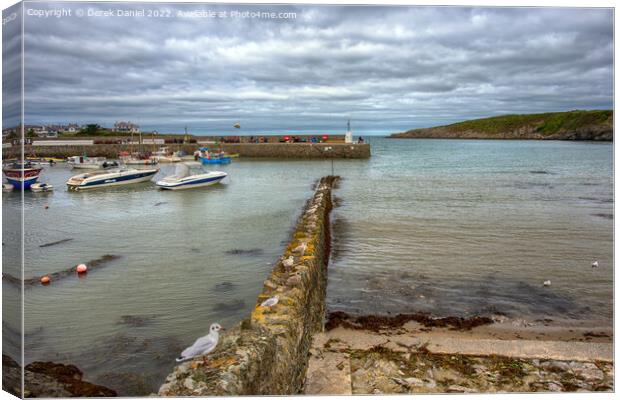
(387, 68)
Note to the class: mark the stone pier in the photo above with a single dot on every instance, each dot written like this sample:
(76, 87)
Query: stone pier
(267, 354)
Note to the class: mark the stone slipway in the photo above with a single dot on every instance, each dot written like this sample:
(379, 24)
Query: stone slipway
(412, 360)
(454, 342)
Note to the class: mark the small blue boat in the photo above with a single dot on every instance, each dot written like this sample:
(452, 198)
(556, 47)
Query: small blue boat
(217, 160)
(206, 157)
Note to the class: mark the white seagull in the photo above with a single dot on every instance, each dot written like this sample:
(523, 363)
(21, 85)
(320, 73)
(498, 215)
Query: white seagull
(203, 345)
(288, 263)
(271, 301)
(301, 249)
(595, 264)
(547, 283)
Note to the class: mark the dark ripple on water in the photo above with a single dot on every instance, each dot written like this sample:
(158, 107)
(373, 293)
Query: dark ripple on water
(490, 295)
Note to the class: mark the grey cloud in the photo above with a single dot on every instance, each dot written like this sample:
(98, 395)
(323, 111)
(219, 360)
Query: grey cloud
(388, 68)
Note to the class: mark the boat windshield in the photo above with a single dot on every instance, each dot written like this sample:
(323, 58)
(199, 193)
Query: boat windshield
(181, 171)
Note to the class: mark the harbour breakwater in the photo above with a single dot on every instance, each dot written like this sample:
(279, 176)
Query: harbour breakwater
(268, 352)
(250, 150)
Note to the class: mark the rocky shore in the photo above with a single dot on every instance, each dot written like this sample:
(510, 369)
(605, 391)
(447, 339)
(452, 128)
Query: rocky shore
(48, 379)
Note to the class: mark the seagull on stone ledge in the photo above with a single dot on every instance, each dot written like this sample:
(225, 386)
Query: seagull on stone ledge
(595, 264)
(271, 301)
(288, 263)
(547, 283)
(204, 345)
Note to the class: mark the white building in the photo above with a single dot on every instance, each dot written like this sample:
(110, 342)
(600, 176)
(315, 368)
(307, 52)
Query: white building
(126, 127)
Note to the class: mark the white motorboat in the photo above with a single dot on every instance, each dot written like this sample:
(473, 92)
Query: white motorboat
(163, 155)
(183, 179)
(121, 176)
(137, 159)
(7, 187)
(83, 162)
(41, 187)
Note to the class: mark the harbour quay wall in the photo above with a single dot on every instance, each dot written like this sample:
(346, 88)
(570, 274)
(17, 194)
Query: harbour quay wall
(251, 150)
(268, 352)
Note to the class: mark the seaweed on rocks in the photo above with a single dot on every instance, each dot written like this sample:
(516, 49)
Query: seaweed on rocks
(245, 252)
(92, 264)
(136, 320)
(379, 322)
(224, 286)
(56, 242)
(48, 379)
(230, 306)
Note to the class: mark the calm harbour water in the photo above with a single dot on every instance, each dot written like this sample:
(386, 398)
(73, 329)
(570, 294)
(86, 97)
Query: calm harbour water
(445, 226)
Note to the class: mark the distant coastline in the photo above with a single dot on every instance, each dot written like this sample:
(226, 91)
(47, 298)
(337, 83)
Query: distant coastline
(595, 125)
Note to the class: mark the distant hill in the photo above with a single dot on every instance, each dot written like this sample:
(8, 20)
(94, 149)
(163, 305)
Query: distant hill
(571, 125)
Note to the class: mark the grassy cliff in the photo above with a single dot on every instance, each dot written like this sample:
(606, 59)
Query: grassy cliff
(571, 125)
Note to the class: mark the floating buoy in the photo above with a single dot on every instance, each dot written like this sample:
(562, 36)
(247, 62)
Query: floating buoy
(82, 268)
(45, 280)
(46, 206)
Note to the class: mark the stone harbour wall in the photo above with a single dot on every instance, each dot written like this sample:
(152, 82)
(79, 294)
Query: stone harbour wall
(250, 150)
(268, 352)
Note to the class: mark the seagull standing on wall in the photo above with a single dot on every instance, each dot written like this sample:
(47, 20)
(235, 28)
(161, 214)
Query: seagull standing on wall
(204, 345)
(288, 263)
(271, 301)
(595, 264)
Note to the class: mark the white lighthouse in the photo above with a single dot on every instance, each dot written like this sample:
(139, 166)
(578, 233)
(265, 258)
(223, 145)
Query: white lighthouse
(348, 137)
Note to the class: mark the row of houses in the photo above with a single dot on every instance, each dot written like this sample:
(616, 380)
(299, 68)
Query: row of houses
(52, 131)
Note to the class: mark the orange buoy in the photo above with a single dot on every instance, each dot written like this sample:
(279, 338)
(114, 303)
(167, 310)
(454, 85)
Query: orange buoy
(45, 280)
(82, 268)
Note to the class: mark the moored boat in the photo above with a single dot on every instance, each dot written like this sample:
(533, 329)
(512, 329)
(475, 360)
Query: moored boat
(121, 176)
(7, 187)
(164, 155)
(84, 162)
(183, 179)
(208, 157)
(21, 174)
(137, 159)
(41, 187)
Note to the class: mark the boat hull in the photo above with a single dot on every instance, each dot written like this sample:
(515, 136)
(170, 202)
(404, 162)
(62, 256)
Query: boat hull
(222, 160)
(22, 177)
(190, 184)
(17, 182)
(137, 177)
(85, 166)
(41, 188)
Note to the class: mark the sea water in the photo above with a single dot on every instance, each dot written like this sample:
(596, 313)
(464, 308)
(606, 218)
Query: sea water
(449, 227)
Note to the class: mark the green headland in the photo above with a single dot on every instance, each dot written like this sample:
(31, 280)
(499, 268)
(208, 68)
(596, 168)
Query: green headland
(570, 125)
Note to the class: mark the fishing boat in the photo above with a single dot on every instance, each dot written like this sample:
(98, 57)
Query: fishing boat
(137, 159)
(41, 161)
(20, 173)
(121, 176)
(184, 179)
(208, 157)
(163, 155)
(83, 162)
(41, 187)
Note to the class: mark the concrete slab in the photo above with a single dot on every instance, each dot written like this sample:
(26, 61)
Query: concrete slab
(454, 342)
(328, 374)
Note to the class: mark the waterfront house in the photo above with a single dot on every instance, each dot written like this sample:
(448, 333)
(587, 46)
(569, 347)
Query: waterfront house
(126, 127)
(72, 128)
